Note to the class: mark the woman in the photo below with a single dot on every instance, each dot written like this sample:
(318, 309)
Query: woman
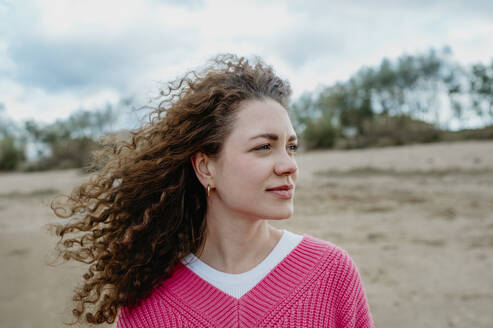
(175, 227)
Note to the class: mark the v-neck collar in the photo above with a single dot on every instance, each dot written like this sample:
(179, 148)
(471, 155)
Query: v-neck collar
(284, 280)
(248, 279)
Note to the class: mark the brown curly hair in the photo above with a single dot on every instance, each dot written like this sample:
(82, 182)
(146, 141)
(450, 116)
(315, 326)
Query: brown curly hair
(144, 211)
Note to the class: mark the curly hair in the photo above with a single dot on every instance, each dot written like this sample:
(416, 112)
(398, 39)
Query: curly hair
(144, 210)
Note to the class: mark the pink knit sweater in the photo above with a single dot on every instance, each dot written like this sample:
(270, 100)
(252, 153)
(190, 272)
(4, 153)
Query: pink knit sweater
(316, 285)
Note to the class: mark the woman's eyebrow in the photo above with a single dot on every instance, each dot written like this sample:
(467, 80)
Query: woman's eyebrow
(272, 136)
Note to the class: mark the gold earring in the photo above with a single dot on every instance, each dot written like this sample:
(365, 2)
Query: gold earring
(208, 190)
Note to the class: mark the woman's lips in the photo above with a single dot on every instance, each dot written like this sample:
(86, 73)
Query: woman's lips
(283, 194)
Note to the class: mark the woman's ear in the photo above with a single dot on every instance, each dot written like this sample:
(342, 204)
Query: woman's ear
(203, 167)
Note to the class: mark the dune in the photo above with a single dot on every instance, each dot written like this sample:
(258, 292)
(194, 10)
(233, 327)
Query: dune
(417, 220)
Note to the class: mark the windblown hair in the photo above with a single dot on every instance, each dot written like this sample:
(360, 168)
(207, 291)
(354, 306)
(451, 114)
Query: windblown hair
(144, 210)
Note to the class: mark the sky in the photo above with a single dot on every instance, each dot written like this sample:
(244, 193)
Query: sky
(57, 56)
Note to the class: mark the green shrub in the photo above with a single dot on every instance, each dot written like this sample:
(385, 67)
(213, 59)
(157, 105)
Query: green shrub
(66, 153)
(384, 130)
(319, 134)
(485, 133)
(10, 154)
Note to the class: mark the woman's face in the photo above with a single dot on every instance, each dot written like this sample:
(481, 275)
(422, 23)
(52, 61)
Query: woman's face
(257, 156)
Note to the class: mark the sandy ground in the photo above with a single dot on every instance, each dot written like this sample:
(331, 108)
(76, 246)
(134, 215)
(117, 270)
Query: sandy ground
(417, 220)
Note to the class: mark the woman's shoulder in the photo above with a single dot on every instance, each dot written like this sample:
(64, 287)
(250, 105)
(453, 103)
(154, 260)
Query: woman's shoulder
(334, 260)
(156, 307)
(328, 249)
(341, 275)
(143, 314)
(156, 310)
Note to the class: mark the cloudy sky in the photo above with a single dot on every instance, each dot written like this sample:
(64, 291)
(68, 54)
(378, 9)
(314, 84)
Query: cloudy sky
(58, 55)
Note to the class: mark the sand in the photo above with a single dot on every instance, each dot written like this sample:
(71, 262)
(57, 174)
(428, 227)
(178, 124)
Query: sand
(417, 220)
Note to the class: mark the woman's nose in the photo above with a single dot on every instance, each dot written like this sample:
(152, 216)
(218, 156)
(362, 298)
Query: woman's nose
(286, 165)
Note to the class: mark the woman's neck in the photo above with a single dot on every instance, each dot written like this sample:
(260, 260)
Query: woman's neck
(237, 246)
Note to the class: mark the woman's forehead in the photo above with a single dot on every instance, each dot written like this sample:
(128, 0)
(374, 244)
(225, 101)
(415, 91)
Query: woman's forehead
(262, 117)
(260, 107)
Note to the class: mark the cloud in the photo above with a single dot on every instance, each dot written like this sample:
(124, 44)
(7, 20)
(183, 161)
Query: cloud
(190, 4)
(63, 45)
(58, 56)
(332, 39)
(373, 8)
(60, 52)
(298, 46)
(60, 64)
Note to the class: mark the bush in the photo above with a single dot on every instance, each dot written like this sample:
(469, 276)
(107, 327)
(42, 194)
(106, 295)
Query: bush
(319, 134)
(384, 130)
(10, 154)
(485, 133)
(66, 153)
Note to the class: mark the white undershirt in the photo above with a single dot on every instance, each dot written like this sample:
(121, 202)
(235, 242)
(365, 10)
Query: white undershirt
(238, 284)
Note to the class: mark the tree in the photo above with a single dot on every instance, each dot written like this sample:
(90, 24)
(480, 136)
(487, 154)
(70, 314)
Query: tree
(69, 142)
(481, 89)
(420, 87)
(12, 145)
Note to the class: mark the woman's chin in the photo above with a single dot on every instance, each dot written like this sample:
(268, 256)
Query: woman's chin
(280, 215)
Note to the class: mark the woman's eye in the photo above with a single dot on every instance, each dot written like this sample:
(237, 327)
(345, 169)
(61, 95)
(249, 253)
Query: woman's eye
(293, 148)
(263, 147)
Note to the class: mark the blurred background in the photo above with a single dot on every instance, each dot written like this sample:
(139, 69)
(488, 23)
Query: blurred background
(392, 100)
